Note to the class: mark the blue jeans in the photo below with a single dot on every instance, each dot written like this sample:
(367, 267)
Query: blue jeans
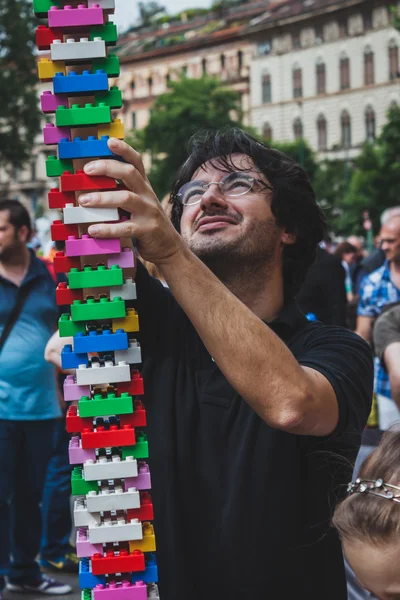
(56, 512)
(25, 450)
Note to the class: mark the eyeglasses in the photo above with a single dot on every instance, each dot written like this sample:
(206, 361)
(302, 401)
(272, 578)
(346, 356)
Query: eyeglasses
(233, 184)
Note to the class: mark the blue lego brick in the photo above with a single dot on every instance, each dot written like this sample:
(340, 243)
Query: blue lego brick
(79, 148)
(101, 342)
(85, 83)
(86, 577)
(150, 575)
(72, 360)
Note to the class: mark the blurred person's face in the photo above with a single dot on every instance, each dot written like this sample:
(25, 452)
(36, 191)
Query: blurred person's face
(390, 239)
(222, 227)
(11, 239)
(350, 257)
(377, 567)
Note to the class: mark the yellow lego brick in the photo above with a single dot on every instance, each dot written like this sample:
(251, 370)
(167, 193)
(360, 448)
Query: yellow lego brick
(114, 129)
(148, 543)
(128, 323)
(47, 69)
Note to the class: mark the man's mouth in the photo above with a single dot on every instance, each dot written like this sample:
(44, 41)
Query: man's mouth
(214, 222)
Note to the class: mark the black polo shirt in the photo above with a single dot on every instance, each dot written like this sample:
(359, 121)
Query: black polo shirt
(243, 510)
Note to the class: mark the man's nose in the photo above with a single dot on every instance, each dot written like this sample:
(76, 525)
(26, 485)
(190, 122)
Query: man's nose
(213, 197)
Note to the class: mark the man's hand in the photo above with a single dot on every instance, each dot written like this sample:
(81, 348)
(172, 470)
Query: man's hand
(156, 238)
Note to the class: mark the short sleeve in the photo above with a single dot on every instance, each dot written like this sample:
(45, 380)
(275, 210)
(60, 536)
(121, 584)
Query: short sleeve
(386, 330)
(366, 306)
(346, 361)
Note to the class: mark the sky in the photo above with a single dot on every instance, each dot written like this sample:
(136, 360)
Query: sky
(126, 11)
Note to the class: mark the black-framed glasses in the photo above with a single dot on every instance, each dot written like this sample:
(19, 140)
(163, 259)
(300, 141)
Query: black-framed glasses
(232, 185)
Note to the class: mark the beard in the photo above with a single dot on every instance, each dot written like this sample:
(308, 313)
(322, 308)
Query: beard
(249, 257)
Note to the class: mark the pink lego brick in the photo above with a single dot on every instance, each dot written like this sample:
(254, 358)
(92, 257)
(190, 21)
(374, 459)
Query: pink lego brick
(87, 246)
(77, 455)
(125, 259)
(83, 547)
(121, 591)
(142, 481)
(73, 391)
(49, 102)
(75, 17)
(53, 134)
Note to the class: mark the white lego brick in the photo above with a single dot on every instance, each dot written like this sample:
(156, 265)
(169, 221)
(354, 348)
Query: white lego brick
(132, 356)
(127, 291)
(98, 375)
(82, 516)
(110, 469)
(82, 50)
(107, 5)
(152, 592)
(79, 214)
(108, 499)
(115, 531)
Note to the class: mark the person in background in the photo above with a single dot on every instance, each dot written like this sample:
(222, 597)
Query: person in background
(29, 406)
(386, 336)
(368, 521)
(323, 293)
(348, 257)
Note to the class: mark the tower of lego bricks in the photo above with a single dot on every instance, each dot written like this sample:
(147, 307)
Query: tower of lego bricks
(106, 416)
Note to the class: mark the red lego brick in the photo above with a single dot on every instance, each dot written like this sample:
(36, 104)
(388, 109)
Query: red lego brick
(66, 296)
(139, 414)
(45, 36)
(102, 438)
(145, 512)
(57, 199)
(134, 387)
(60, 232)
(74, 423)
(63, 264)
(80, 182)
(112, 563)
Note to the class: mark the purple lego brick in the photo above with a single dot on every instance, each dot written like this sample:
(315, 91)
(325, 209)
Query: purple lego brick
(77, 455)
(75, 17)
(121, 591)
(53, 134)
(125, 259)
(83, 547)
(73, 391)
(87, 246)
(49, 102)
(142, 481)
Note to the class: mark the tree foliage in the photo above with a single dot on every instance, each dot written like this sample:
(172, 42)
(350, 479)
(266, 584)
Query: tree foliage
(149, 11)
(191, 105)
(19, 115)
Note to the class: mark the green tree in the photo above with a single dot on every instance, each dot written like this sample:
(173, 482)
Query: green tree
(299, 151)
(375, 182)
(19, 114)
(191, 105)
(149, 11)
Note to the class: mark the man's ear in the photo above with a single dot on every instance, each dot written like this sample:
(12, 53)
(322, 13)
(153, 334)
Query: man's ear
(288, 238)
(23, 234)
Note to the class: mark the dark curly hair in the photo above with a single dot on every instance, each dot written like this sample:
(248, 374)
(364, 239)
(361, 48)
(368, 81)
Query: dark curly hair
(293, 200)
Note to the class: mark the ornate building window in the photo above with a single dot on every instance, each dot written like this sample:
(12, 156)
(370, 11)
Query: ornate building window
(320, 74)
(369, 76)
(266, 88)
(345, 125)
(344, 71)
(394, 71)
(297, 79)
(267, 131)
(204, 66)
(370, 124)
(297, 129)
(322, 133)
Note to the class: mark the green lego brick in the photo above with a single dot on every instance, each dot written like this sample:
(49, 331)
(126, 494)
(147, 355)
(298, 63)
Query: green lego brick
(86, 594)
(95, 277)
(107, 32)
(77, 116)
(101, 407)
(98, 309)
(139, 450)
(56, 167)
(67, 327)
(42, 7)
(113, 98)
(80, 487)
(109, 65)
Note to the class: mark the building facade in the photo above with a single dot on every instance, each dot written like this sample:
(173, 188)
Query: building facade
(328, 75)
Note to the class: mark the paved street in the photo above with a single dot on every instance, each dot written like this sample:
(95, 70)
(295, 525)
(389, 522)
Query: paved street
(71, 579)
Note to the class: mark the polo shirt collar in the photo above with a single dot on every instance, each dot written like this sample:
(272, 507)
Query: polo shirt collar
(289, 321)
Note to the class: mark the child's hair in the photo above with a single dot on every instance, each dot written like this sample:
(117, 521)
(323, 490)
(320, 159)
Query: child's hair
(365, 516)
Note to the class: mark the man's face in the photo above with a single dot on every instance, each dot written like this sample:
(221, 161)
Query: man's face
(10, 238)
(390, 239)
(222, 227)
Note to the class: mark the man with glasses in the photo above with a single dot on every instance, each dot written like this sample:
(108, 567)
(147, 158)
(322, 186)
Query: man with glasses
(254, 414)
